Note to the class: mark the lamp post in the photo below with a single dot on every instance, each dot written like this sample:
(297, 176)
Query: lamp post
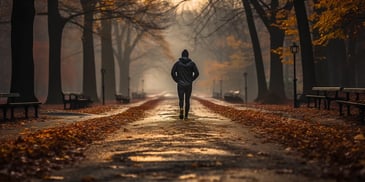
(213, 89)
(142, 86)
(103, 85)
(245, 76)
(221, 89)
(294, 49)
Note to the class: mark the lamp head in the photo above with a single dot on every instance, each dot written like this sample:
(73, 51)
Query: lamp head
(294, 48)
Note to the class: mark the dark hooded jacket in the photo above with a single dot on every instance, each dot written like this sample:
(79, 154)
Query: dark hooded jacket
(184, 71)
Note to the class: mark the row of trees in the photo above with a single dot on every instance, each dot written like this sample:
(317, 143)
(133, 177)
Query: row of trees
(132, 21)
(329, 33)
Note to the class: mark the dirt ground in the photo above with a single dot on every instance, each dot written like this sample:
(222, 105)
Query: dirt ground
(206, 147)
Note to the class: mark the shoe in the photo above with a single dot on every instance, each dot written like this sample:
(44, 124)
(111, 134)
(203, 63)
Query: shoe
(181, 114)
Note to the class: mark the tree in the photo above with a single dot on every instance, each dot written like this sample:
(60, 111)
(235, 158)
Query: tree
(270, 14)
(305, 45)
(134, 42)
(56, 24)
(89, 70)
(261, 79)
(342, 20)
(22, 80)
(126, 39)
(107, 58)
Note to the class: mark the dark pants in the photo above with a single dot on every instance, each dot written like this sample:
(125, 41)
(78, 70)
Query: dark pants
(184, 91)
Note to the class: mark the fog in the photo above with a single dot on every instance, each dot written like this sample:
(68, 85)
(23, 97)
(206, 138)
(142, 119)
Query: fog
(150, 74)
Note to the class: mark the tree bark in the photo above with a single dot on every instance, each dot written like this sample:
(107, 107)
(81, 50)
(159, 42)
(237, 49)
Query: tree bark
(107, 58)
(308, 69)
(56, 25)
(276, 85)
(22, 80)
(89, 71)
(260, 71)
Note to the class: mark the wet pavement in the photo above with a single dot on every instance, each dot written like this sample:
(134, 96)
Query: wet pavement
(206, 147)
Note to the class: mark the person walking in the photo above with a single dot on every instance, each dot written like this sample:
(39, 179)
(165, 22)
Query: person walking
(184, 72)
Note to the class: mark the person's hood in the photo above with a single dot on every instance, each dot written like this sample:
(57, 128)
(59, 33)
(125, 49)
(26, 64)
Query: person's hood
(185, 60)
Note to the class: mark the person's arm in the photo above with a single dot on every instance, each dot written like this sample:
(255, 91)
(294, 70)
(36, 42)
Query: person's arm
(173, 73)
(196, 72)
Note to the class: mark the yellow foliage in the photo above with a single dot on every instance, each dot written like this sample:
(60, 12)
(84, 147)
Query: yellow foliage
(338, 19)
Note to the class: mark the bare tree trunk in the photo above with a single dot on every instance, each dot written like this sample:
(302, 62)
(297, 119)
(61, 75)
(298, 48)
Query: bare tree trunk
(124, 76)
(107, 58)
(276, 85)
(22, 80)
(89, 74)
(55, 28)
(261, 79)
(308, 68)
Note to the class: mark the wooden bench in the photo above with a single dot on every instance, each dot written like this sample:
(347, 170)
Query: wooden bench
(26, 106)
(9, 98)
(122, 99)
(325, 94)
(352, 99)
(12, 105)
(75, 100)
(138, 95)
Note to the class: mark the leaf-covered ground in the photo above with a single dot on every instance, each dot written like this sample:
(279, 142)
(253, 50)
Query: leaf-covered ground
(35, 154)
(321, 136)
(339, 146)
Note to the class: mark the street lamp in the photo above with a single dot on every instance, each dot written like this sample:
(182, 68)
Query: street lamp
(294, 49)
(142, 86)
(214, 95)
(245, 75)
(221, 89)
(103, 85)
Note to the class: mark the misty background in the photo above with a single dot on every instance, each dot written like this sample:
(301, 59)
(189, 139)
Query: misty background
(221, 49)
(150, 74)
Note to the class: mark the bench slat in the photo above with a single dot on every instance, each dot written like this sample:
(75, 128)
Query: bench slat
(330, 89)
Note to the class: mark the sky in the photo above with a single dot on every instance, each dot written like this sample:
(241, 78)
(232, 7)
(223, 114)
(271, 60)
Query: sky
(190, 4)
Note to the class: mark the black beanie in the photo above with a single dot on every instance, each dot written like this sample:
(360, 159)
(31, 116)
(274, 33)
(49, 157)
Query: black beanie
(185, 53)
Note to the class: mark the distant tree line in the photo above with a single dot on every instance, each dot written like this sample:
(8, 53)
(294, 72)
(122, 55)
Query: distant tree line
(330, 35)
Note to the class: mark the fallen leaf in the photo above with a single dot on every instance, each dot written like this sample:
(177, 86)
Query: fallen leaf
(54, 178)
(359, 137)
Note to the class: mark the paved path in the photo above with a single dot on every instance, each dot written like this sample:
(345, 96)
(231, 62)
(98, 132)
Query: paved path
(207, 147)
(58, 118)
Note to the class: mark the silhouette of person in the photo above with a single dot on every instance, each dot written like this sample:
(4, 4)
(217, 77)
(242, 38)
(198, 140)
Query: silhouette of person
(184, 72)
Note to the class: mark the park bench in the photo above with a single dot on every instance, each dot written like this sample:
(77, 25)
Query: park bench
(26, 106)
(325, 94)
(75, 100)
(122, 98)
(12, 105)
(353, 98)
(138, 95)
